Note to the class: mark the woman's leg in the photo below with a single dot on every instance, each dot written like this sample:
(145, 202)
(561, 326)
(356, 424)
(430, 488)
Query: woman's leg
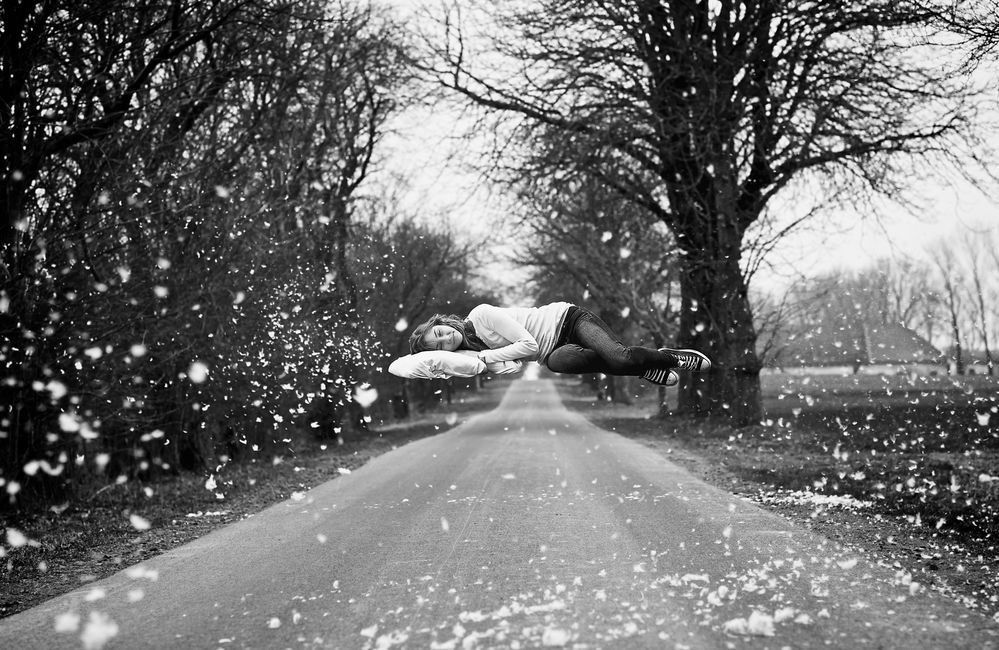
(593, 347)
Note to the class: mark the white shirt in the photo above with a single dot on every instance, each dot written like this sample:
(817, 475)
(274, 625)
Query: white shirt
(518, 333)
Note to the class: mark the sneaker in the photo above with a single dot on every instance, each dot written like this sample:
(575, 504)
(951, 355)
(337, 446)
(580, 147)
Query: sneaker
(661, 376)
(691, 360)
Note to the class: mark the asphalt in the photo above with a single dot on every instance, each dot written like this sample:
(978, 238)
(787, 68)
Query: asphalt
(525, 527)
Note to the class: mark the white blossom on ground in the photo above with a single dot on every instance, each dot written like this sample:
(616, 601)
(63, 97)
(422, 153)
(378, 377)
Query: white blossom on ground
(554, 637)
(98, 631)
(758, 624)
(139, 523)
(67, 622)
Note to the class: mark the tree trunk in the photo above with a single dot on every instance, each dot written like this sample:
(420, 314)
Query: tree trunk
(714, 292)
(955, 328)
(616, 389)
(958, 352)
(980, 294)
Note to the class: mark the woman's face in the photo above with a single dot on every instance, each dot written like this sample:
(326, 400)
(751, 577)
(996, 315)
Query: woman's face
(442, 337)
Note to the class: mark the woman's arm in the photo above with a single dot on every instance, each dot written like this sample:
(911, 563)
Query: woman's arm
(522, 344)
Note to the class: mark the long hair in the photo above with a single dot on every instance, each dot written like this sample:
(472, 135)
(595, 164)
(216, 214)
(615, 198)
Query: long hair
(469, 339)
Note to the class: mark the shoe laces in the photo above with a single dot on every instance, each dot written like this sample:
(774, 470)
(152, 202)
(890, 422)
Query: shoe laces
(686, 361)
(657, 375)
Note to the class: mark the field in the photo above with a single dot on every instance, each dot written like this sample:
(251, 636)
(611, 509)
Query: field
(905, 469)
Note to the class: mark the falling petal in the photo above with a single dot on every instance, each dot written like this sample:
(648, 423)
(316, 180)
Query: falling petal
(365, 395)
(197, 372)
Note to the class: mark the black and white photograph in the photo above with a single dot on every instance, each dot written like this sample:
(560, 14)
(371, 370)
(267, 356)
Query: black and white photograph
(499, 324)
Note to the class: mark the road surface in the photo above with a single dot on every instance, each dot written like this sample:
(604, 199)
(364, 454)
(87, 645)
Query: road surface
(525, 527)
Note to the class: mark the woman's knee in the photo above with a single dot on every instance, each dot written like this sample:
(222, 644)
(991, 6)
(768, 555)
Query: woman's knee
(572, 358)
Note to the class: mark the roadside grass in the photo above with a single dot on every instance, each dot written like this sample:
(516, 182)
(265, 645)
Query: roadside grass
(55, 550)
(906, 468)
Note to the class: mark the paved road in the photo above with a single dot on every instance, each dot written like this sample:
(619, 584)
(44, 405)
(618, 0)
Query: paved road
(526, 527)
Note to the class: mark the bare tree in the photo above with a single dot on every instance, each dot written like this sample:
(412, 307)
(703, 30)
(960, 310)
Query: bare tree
(580, 235)
(179, 160)
(945, 260)
(972, 244)
(976, 21)
(47, 109)
(724, 105)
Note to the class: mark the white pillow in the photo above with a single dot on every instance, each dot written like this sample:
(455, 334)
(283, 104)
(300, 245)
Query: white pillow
(441, 364)
(436, 364)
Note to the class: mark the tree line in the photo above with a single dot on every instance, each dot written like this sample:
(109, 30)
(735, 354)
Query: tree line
(949, 295)
(190, 266)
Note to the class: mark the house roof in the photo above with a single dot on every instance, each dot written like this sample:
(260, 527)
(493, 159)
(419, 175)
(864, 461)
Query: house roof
(857, 344)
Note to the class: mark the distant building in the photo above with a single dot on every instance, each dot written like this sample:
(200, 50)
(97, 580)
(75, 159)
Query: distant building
(975, 363)
(858, 348)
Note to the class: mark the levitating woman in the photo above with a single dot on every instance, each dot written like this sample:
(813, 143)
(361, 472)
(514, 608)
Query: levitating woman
(560, 336)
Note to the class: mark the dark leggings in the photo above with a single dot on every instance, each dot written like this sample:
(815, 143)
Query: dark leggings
(588, 345)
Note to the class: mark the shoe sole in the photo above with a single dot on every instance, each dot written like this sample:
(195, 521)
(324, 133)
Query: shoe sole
(704, 363)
